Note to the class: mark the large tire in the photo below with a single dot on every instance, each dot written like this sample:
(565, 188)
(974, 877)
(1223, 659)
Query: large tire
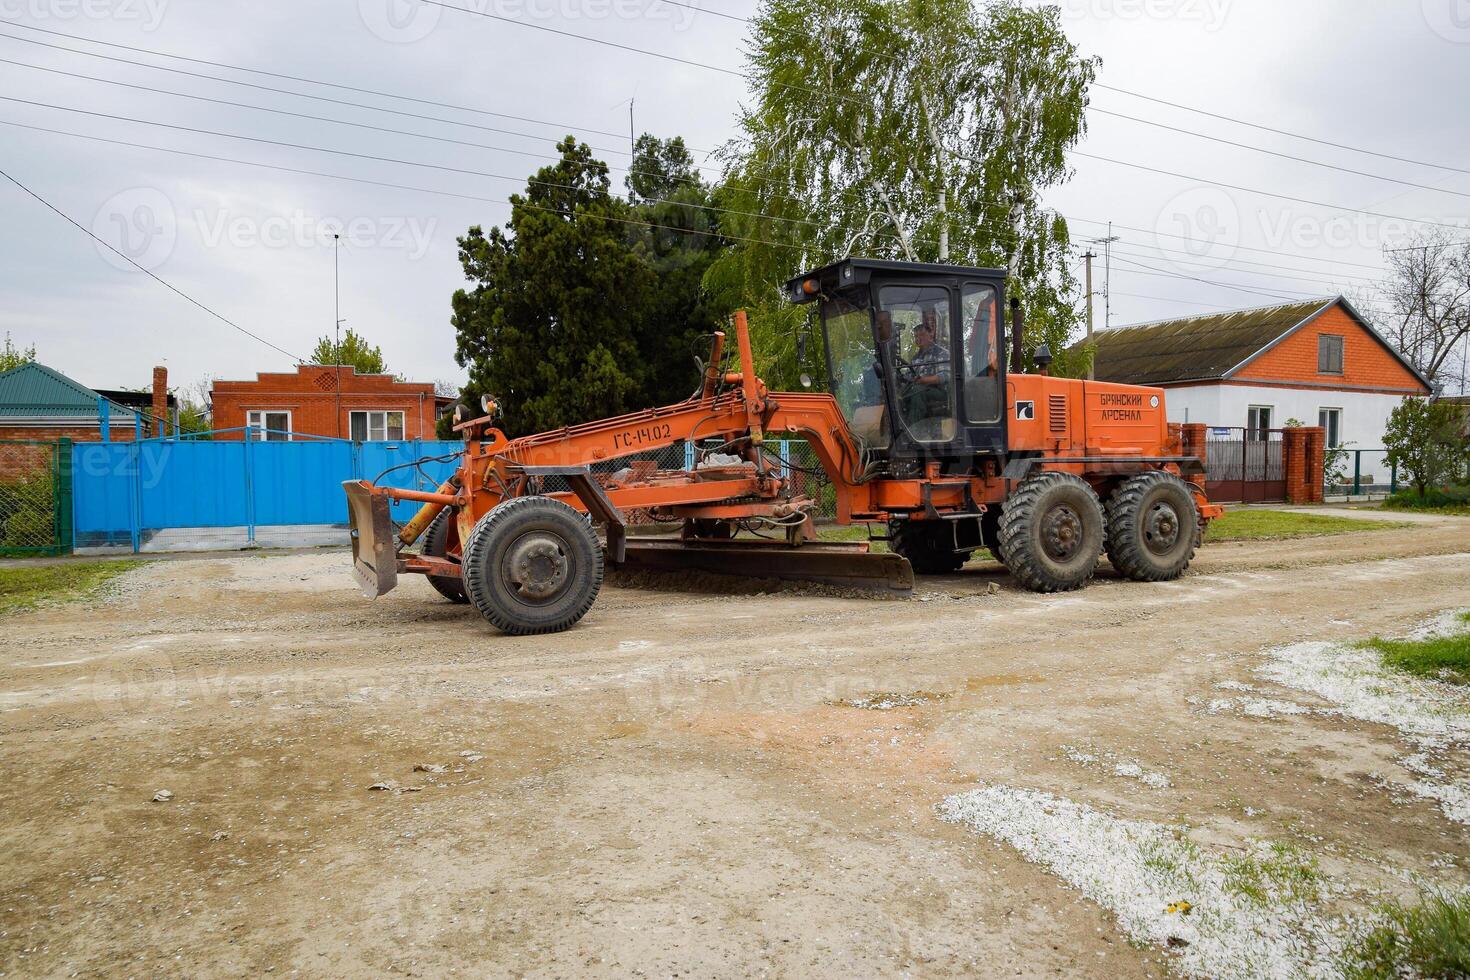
(532, 565)
(1051, 532)
(925, 548)
(1153, 527)
(436, 545)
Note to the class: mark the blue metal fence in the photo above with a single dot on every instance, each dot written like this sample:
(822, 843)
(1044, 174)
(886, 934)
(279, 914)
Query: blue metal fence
(187, 492)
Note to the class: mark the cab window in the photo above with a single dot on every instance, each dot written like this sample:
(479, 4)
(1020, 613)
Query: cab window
(979, 332)
(923, 367)
(856, 377)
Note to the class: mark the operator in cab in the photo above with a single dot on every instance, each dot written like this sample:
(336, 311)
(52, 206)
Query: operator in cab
(928, 393)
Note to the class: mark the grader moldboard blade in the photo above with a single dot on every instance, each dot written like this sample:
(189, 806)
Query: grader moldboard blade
(849, 565)
(374, 554)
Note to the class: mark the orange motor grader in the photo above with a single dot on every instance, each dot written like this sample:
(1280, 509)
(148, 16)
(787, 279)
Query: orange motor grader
(923, 430)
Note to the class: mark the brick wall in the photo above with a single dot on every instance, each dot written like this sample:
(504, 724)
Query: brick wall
(311, 395)
(78, 433)
(1365, 361)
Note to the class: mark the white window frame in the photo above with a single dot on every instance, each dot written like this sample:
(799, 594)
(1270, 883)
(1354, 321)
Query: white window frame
(1333, 440)
(255, 423)
(383, 426)
(1252, 416)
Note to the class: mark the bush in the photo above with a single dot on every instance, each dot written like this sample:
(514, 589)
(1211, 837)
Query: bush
(1429, 940)
(1434, 498)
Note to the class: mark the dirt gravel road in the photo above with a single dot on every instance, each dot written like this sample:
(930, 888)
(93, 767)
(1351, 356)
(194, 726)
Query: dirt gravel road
(681, 785)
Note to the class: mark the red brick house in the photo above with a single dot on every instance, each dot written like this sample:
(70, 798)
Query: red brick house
(326, 400)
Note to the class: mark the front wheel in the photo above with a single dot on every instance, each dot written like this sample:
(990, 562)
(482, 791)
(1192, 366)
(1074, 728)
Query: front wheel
(436, 545)
(532, 565)
(1051, 532)
(1153, 527)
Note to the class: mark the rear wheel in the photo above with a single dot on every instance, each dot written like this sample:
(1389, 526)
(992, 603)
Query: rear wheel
(929, 546)
(1153, 527)
(1051, 532)
(532, 565)
(436, 545)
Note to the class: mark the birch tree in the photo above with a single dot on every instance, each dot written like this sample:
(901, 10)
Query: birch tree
(906, 129)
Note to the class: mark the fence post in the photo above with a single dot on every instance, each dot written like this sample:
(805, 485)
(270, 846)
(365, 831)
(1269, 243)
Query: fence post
(63, 497)
(1393, 477)
(249, 491)
(135, 497)
(104, 419)
(1357, 472)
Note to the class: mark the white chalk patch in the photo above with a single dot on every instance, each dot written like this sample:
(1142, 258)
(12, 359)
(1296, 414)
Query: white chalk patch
(1216, 918)
(1120, 766)
(1255, 707)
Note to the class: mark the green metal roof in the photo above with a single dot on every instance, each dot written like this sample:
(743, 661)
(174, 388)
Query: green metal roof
(36, 390)
(1200, 348)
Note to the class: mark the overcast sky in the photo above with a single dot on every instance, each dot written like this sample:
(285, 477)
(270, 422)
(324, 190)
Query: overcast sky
(254, 244)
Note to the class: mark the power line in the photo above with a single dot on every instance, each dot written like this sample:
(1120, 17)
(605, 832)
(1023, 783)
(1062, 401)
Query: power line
(1243, 248)
(397, 186)
(1276, 153)
(1253, 190)
(147, 272)
(280, 75)
(1279, 132)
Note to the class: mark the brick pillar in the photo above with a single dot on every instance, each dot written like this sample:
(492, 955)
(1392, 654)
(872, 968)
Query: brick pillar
(1194, 445)
(1316, 450)
(1301, 458)
(160, 400)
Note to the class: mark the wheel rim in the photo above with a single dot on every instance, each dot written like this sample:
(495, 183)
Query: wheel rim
(1161, 528)
(537, 566)
(1061, 533)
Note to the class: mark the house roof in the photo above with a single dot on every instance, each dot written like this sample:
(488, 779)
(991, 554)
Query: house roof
(1199, 348)
(1212, 347)
(34, 390)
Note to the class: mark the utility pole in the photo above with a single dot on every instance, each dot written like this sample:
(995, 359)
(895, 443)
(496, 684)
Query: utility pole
(1107, 244)
(1088, 257)
(337, 326)
(632, 140)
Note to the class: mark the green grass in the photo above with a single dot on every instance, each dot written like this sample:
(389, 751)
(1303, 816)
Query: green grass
(26, 586)
(1283, 873)
(1427, 940)
(852, 532)
(1441, 500)
(1442, 658)
(1278, 525)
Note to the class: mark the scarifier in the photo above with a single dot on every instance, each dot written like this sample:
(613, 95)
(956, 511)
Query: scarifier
(924, 431)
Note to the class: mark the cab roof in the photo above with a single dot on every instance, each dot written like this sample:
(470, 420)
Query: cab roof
(857, 272)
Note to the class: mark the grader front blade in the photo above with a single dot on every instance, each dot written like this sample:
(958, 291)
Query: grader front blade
(849, 565)
(374, 551)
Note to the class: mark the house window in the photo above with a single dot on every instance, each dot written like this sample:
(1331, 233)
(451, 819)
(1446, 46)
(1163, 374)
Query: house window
(1329, 354)
(269, 426)
(1331, 420)
(375, 426)
(1258, 421)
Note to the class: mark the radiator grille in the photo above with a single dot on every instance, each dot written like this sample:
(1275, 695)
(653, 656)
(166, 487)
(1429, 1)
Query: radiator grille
(1058, 413)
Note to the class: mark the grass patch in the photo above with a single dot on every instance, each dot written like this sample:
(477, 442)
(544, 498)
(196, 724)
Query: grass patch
(27, 586)
(1282, 873)
(1441, 658)
(1278, 525)
(1436, 500)
(1427, 940)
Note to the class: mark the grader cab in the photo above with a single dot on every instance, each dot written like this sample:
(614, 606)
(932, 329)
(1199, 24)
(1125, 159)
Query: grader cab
(925, 431)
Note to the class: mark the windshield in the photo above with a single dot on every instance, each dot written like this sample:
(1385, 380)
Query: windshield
(854, 378)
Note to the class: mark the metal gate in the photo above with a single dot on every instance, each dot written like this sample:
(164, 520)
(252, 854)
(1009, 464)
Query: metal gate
(35, 498)
(1244, 465)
